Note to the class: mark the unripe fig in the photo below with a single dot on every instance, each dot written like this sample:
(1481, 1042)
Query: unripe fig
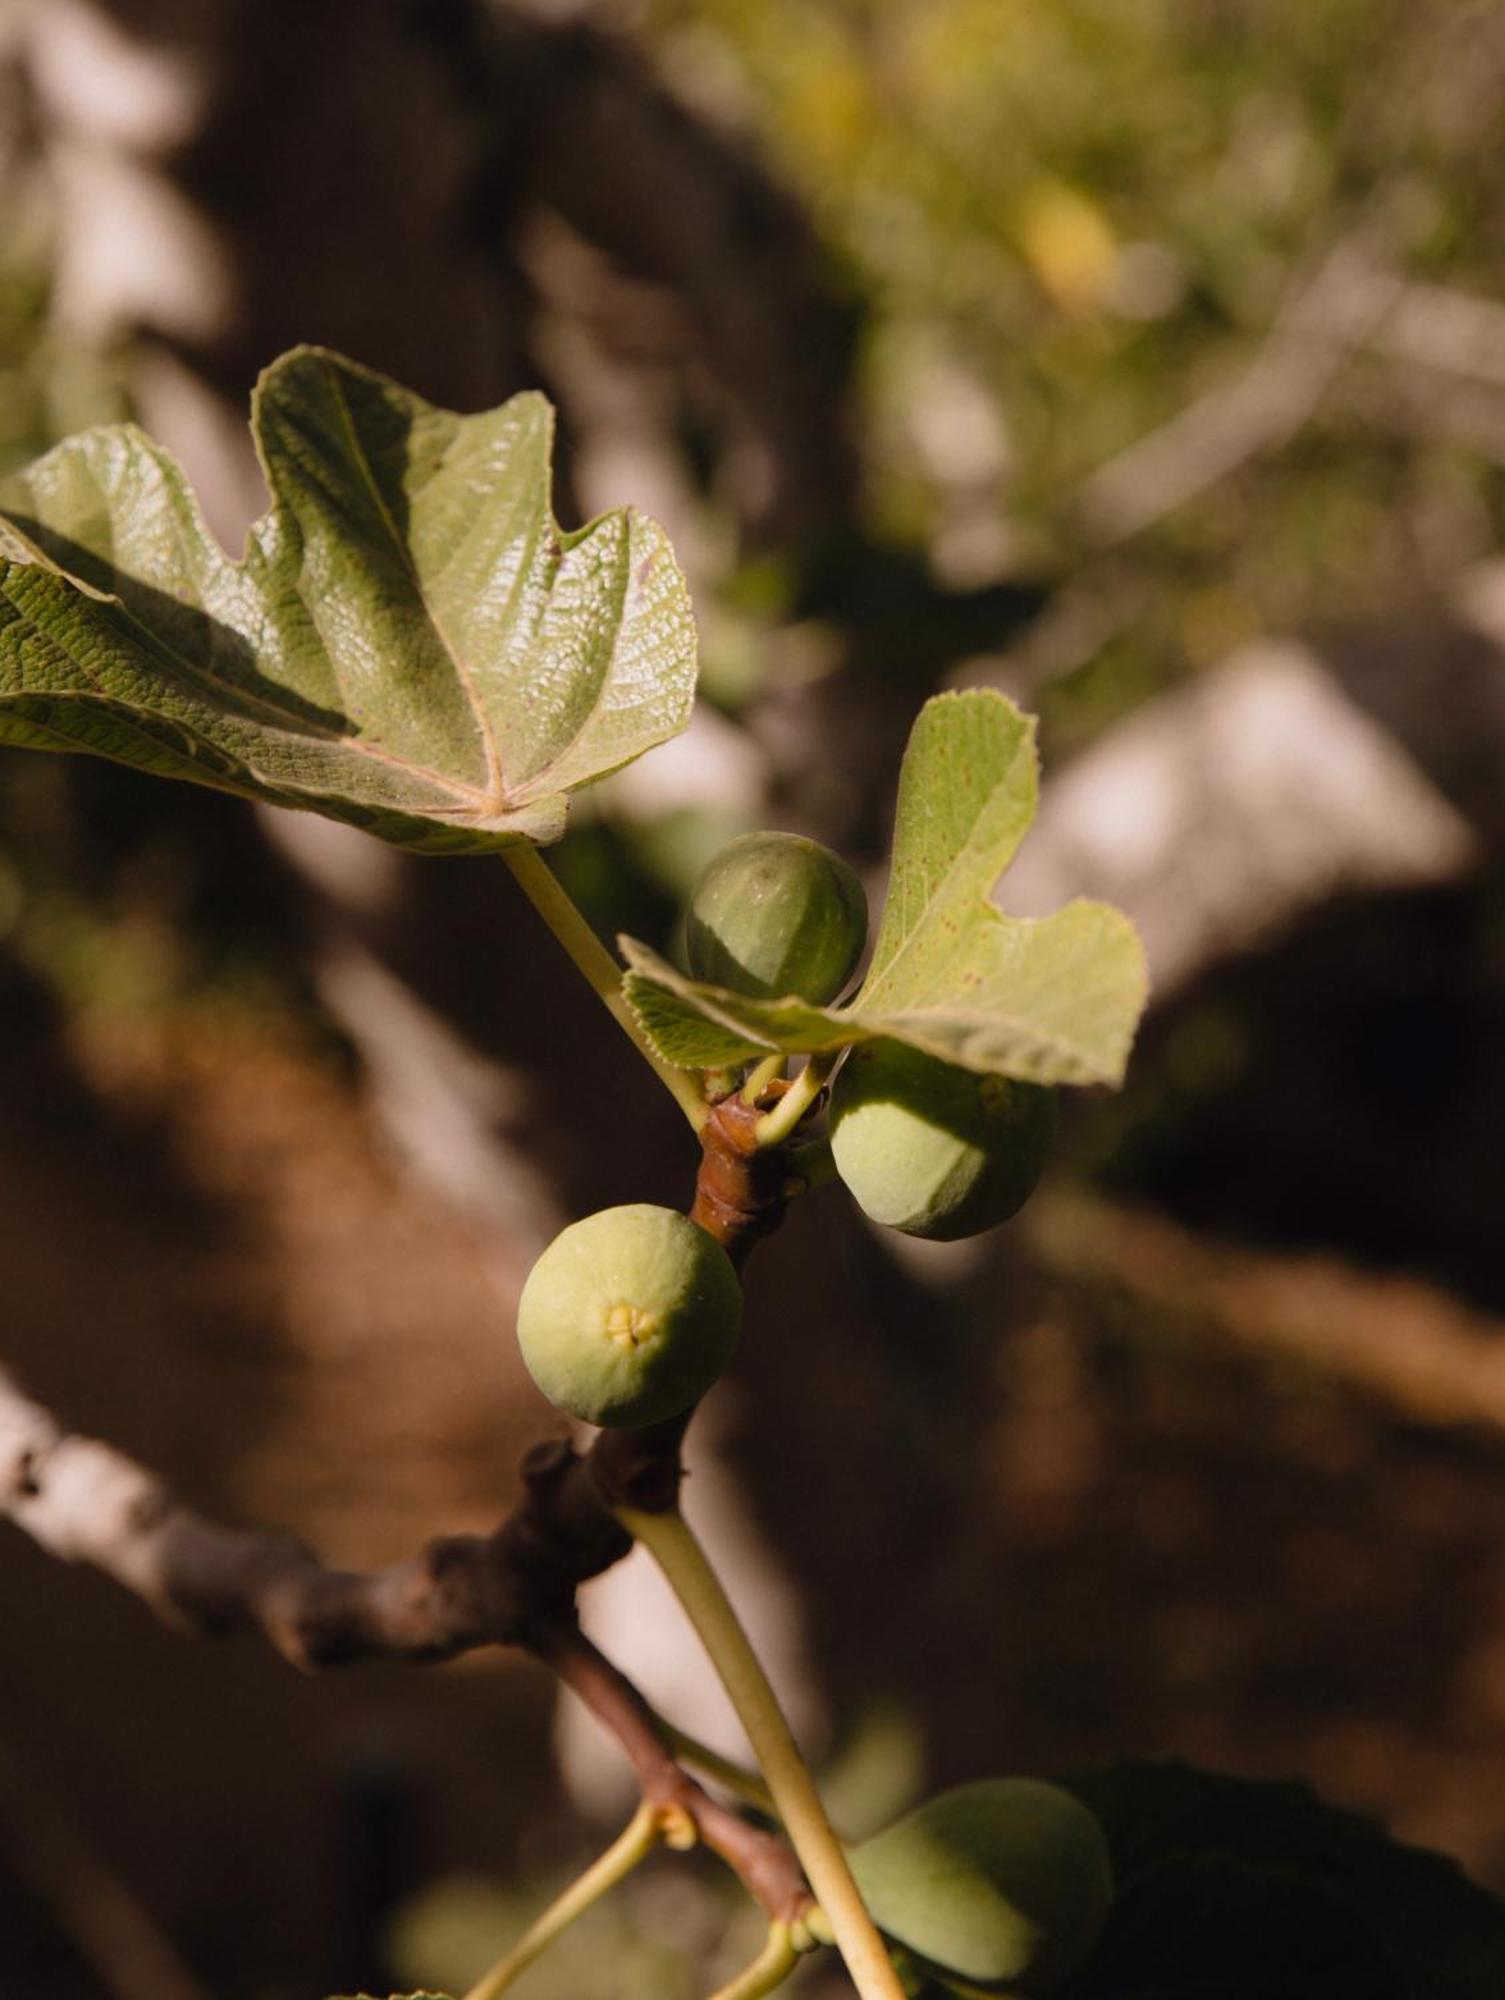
(776, 914)
(1004, 1883)
(933, 1149)
(629, 1316)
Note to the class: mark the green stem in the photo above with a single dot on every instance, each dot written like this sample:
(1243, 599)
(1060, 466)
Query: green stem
(742, 1784)
(673, 1546)
(543, 890)
(634, 1844)
(769, 1969)
(776, 1126)
(759, 1078)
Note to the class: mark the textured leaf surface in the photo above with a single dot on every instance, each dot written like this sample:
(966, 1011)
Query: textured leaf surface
(410, 643)
(1050, 1001)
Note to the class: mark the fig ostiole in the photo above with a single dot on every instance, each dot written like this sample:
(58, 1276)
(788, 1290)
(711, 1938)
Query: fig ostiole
(776, 914)
(1005, 1884)
(629, 1316)
(932, 1149)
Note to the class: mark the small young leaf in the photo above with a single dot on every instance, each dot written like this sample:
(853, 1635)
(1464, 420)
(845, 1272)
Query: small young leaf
(1054, 1000)
(700, 1026)
(410, 643)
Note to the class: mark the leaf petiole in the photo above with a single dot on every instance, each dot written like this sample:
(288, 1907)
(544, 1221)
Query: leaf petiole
(595, 963)
(634, 1844)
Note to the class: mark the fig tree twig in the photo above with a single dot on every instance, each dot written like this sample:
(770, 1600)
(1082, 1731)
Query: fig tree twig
(767, 1867)
(85, 1502)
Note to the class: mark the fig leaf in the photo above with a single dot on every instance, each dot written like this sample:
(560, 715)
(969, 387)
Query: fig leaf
(409, 644)
(1049, 1000)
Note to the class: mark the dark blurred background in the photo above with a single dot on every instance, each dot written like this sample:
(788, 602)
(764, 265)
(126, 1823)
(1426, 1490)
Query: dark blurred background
(1147, 362)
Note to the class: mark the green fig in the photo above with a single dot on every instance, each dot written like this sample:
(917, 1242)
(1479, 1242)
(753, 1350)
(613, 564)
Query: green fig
(1004, 1883)
(932, 1149)
(629, 1316)
(776, 914)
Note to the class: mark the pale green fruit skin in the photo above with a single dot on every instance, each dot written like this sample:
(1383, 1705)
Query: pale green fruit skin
(1005, 1883)
(935, 1150)
(776, 914)
(629, 1316)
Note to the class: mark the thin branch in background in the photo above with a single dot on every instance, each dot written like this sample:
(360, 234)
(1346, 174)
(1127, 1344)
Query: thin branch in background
(1313, 336)
(1448, 331)
(1410, 402)
(1404, 1342)
(1324, 322)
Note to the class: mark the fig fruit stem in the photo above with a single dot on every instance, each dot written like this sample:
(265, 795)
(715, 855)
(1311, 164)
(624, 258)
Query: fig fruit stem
(769, 1969)
(777, 1125)
(634, 1844)
(673, 1546)
(600, 970)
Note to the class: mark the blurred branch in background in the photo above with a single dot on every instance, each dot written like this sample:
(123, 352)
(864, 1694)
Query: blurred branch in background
(1352, 305)
(1408, 1344)
(1326, 318)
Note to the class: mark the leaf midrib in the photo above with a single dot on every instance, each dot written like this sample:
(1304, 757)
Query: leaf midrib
(493, 797)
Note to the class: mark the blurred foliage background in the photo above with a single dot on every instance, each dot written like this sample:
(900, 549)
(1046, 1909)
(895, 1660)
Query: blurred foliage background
(1101, 352)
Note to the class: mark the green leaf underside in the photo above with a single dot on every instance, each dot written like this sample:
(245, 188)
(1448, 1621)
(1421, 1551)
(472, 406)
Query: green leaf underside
(410, 643)
(1049, 1000)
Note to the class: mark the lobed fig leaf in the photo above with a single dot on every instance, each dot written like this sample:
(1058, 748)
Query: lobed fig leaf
(410, 643)
(630, 1316)
(1004, 1884)
(1053, 1000)
(775, 914)
(935, 1150)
